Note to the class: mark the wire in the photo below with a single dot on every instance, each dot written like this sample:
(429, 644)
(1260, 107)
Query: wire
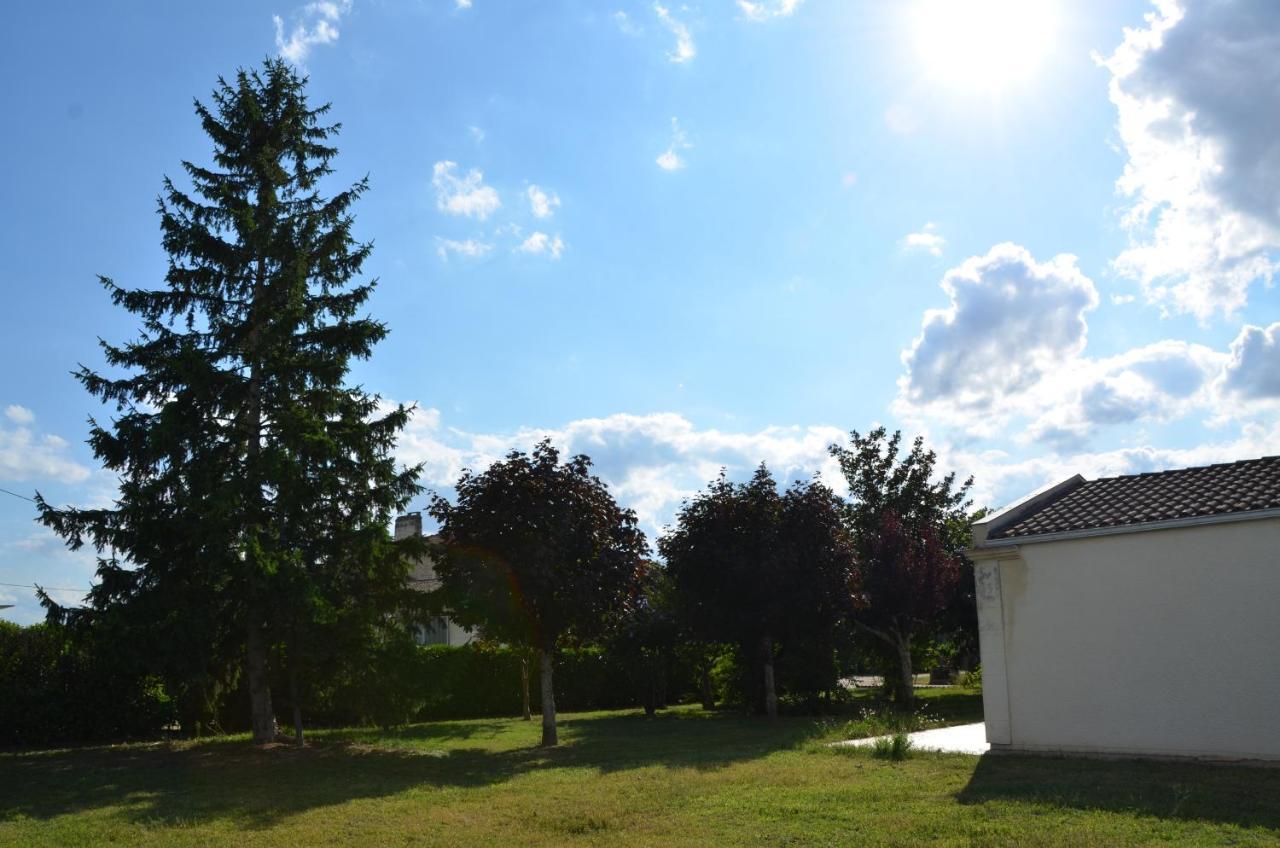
(16, 495)
(47, 588)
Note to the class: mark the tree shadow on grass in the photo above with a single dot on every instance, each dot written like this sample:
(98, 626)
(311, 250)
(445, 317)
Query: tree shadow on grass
(1241, 795)
(258, 788)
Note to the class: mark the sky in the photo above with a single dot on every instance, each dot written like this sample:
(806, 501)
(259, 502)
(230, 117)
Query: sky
(686, 237)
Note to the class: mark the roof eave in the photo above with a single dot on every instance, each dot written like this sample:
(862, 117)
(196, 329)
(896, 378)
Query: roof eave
(1019, 510)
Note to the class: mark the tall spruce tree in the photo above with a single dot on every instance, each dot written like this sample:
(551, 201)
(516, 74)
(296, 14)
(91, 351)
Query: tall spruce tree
(256, 486)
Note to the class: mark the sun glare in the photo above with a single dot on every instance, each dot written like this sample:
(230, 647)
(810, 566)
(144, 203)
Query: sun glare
(983, 45)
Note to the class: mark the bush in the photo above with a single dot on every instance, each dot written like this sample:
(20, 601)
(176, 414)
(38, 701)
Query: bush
(60, 690)
(436, 682)
(971, 679)
(60, 686)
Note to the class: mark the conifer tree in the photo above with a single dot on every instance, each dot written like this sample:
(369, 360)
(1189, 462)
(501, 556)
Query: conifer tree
(256, 485)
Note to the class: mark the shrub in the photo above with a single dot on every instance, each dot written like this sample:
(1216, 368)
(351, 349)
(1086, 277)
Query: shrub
(436, 682)
(971, 679)
(60, 690)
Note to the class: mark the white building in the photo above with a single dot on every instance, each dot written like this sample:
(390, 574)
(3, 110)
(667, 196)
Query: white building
(441, 631)
(1135, 615)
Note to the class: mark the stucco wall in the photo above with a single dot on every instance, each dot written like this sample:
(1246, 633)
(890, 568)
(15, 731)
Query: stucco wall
(1161, 642)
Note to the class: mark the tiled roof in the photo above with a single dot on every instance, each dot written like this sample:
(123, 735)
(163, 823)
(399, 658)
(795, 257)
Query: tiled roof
(1228, 488)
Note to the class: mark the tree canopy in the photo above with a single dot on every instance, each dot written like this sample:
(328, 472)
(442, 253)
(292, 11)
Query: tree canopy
(533, 551)
(256, 485)
(905, 523)
(754, 567)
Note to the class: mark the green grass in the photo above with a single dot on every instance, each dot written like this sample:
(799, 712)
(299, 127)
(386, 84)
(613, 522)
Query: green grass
(681, 778)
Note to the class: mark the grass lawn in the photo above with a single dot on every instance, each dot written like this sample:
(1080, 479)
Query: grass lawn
(682, 778)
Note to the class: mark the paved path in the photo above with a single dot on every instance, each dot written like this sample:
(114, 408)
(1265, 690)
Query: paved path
(961, 739)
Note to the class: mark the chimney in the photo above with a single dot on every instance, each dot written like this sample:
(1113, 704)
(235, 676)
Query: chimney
(408, 525)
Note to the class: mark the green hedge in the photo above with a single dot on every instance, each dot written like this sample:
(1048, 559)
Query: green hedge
(442, 682)
(58, 690)
(54, 691)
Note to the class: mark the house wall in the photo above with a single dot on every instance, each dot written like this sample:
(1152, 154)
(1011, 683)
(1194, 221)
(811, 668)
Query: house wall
(423, 577)
(1162, 643)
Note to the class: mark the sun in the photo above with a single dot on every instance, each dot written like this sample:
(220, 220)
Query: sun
(983, 45)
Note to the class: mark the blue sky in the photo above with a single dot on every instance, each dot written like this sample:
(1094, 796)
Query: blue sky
(684, 237)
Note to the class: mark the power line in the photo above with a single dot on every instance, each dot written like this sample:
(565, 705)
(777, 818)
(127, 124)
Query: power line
(16, 495)
(47, 588)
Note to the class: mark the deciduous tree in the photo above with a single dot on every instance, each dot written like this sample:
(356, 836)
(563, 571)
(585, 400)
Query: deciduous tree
(901, 515)
(753, 567)
(533, 551)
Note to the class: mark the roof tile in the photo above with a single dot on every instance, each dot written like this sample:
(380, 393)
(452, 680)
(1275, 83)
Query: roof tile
(1224, 489)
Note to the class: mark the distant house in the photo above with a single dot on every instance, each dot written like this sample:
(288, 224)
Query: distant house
(1135, 615)
(440, 631)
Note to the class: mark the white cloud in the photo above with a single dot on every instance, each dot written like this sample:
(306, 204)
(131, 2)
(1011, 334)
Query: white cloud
(315, 23)
(1254, 369)
(653, 461)
(539, 243)
(1122, 299)
(30, 457)
(650, 461)
(685, 49)
(1007, 359)
(1198, 96)
(1158, 382)
(670, 159)
(768, 9)
(927, 240)
(471, 248)
(1000, 479)
(462, 4)
(542, 205)
(901, 119)
(1011, 321)
(849, 179)
(466, 195)
(477, 134)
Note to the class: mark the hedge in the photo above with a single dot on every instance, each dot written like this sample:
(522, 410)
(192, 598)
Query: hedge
(445, 682)
(58, 690)
(53, 691)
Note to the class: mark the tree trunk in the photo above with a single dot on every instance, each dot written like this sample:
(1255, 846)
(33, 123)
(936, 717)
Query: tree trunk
(524, 687)
(298, 739)
(770, 695)
(263, 716)
(650, 686)
(907, 683)
(708, 696)
(548, 701)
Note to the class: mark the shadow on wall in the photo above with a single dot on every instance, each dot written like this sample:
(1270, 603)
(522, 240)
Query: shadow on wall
(1240, 795)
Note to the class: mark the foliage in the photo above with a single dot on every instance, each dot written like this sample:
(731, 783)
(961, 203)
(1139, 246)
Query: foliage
(908, 530)
(57, 691)
(255, 486)
(535, 551)
(757, 569)
(971, 680)
(646, 634)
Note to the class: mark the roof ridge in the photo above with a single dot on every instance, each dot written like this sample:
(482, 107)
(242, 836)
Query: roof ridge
(1185, 469)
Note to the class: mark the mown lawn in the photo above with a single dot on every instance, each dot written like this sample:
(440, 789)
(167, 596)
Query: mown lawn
(682, 778)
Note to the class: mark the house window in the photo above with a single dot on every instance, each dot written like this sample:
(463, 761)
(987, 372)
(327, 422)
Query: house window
(435, 632)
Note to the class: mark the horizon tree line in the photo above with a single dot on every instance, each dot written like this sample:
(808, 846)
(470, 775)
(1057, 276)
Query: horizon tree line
(249, 545)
